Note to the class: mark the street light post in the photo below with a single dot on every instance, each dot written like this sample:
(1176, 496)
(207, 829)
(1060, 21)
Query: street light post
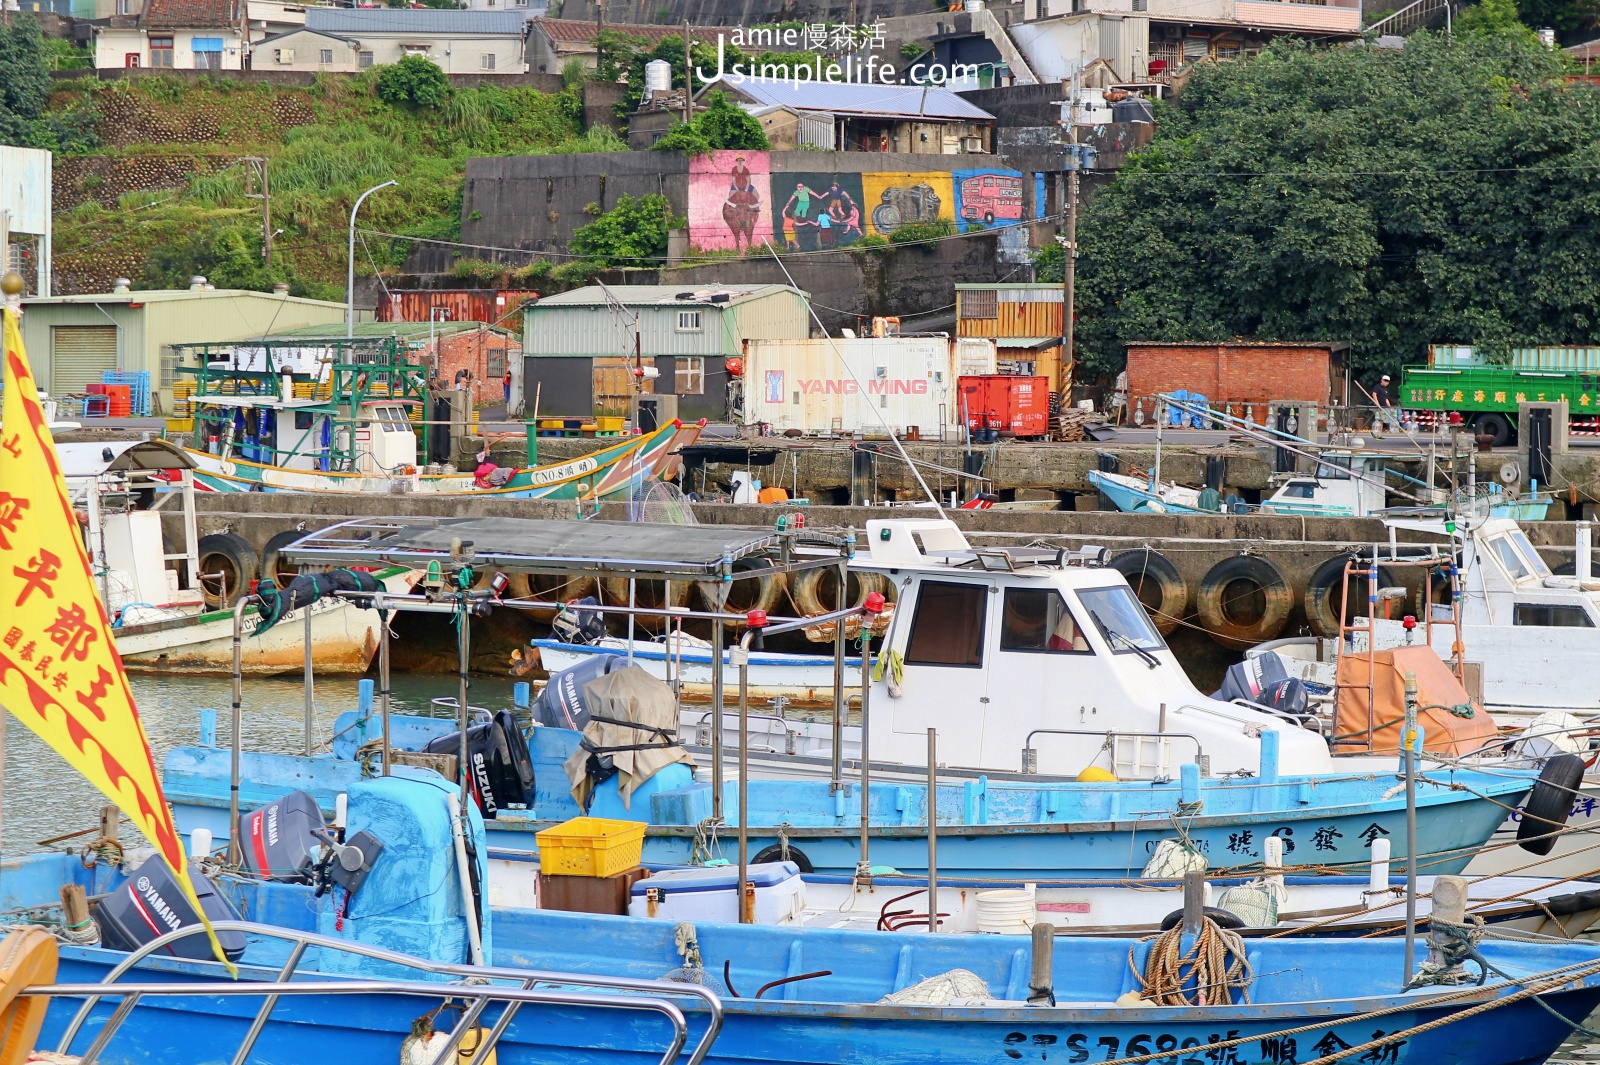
(350, 274)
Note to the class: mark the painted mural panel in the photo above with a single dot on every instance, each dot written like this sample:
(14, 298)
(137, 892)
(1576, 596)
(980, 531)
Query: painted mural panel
(990, 196)
(816, 211)
(730, 200)
(898, 198)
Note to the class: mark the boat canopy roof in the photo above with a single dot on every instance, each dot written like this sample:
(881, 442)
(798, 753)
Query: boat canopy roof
(85, 459)
(537, 545)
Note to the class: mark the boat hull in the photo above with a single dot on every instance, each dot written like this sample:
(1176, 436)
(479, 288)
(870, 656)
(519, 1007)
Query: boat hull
(803, 678)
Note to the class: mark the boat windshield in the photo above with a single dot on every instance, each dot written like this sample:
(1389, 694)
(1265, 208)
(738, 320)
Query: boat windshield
(1333, 468)
(1510, 559)
(1121, 619)
(1528, 553)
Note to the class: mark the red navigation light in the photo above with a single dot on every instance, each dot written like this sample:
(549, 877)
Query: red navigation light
(874, 603)
(756, 619)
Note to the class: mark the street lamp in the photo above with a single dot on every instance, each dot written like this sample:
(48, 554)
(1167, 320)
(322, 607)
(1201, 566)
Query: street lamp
(350, 275)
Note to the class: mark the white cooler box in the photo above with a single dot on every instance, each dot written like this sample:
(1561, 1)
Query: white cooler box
(711, 894)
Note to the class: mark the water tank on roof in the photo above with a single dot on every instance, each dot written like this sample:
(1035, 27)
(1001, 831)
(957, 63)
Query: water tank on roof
(657, 77)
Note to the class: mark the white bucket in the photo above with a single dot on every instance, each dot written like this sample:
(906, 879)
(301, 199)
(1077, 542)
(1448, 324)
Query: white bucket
(1006, 911)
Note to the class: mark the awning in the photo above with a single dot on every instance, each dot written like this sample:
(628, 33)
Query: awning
(206, 44)
(1025, 343)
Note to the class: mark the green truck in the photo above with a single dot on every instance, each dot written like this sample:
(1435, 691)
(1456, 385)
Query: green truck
(1457, 379)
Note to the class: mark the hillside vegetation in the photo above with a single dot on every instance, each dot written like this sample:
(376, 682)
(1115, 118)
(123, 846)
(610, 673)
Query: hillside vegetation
(162, 187)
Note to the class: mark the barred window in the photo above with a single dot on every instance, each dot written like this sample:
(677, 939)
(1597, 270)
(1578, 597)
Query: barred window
(980, 304)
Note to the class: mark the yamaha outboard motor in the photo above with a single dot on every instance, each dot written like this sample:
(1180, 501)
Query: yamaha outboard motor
(279, 841)
(561, 704)
(574, 624)
(151, 904)
(500, 770)
(1264, 680)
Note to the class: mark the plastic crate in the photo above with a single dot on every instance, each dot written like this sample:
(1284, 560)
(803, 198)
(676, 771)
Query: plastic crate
(137, 383)
(606, 424)
(590, 846)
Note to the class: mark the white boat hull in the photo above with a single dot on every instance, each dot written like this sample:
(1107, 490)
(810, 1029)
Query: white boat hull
(798, 678)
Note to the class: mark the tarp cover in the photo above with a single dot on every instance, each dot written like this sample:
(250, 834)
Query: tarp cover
(1442, 705)
(632, 731)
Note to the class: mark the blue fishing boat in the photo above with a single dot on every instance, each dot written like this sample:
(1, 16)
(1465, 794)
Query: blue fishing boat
(1053, 829)
(321, 980)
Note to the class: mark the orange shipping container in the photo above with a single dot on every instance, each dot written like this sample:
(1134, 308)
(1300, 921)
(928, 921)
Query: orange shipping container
(1018, 405)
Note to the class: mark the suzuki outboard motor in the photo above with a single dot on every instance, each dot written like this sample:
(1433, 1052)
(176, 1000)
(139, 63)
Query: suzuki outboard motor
(151, 904)
(279, 841)
(1264, 680)
(561, 704)
(499, 768)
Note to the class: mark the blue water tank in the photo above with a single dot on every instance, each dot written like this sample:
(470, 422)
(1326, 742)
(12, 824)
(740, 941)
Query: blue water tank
(412, 901)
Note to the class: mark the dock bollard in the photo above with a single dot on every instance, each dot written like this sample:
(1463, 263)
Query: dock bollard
(1449, 913)
(1041, 984)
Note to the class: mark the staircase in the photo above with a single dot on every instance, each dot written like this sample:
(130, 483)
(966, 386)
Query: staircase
(1417, 15)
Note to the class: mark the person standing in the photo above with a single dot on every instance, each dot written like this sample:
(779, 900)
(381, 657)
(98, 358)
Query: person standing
(1384, 418)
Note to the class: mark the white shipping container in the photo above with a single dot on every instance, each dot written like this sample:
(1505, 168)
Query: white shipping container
(853, 385)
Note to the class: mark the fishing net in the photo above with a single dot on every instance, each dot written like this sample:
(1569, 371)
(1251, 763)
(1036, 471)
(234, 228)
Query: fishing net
(661, 503)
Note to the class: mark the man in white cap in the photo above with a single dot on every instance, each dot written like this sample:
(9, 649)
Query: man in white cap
(1381, 395)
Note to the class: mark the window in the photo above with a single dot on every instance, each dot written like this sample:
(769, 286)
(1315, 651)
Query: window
(1528, 553)
(363, 60)
(1517, 569)
(124, 7)
(1334, 470)
(486, 60)
(1037, 619)
(285, 55)
(325, 56)
(1121, 619)
(207, 52)
(393, 419)
(161, 52)
(688, 321)
(1549, 615)
(948, 628)
(1299, 490)
(689, 376)
(980, 304)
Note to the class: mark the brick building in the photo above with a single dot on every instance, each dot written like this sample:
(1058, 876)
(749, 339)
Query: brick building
(444, 347)
(1240, 371)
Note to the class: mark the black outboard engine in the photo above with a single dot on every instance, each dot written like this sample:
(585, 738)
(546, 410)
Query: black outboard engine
(151, 904)
(577, 625)
(499, 769)
(561, 704)
(1264, 680)
(280, 841)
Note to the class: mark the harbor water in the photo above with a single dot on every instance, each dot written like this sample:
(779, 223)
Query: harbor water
(45, 798)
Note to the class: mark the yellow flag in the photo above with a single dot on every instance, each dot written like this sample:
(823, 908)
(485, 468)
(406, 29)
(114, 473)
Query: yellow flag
(60, 674)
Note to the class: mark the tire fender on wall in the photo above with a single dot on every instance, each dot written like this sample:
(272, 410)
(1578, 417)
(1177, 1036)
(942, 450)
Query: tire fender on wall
(1213, 610)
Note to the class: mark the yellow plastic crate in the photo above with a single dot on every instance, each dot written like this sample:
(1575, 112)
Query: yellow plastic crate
(590, 846)
(609, 425)
(180, 425)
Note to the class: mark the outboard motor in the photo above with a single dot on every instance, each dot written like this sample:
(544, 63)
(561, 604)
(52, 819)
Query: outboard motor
(577, 625)
(500, 770)
(1263, 679)
(152, 904)
(561, 704)
(281, 841)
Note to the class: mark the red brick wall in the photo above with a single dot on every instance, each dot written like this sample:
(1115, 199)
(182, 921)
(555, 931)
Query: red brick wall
(1228, 373)
(472, 351)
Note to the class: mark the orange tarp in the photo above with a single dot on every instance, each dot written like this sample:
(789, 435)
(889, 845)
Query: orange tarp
(1438, 692)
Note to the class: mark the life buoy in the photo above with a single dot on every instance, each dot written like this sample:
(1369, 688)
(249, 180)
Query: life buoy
(1157, 583)
(227, 566)
(1323, 599)
(807, 589)
(1550, 804)
(745, 592)
(27, 959)
(1243, 600)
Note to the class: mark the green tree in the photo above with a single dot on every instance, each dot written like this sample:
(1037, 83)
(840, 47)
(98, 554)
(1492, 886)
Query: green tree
(24, 81)
(1492, 18)
(616, 52)
(722, 125)
(1443, 193)
(635, 229)
(414, 80)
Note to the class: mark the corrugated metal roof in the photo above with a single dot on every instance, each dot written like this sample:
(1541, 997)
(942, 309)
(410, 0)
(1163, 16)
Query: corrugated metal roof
(367, 330)
(853, 98)
(389, 20)
(167, 295)
(575, 31)
(664, 295)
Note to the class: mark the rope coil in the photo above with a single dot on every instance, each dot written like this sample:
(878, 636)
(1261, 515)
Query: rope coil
(1215, 960)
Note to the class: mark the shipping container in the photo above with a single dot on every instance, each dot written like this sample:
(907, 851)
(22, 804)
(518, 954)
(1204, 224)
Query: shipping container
(1016, 405)
(851, 385)
(494, 306)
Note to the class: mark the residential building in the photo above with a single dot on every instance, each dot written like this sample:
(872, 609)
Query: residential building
(554, 42)
(346, 39)
(25, 175)
(911, 119)
(1023, 320)
(74, 339)
(495, 306)
(580, 349)
(173, 35)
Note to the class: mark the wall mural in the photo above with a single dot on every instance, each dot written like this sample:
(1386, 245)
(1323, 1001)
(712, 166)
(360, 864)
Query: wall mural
(736, 202)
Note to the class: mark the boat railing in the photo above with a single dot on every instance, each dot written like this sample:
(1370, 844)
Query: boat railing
(472, 983)
(1306, 721)
(702, 731)
(1109, 738)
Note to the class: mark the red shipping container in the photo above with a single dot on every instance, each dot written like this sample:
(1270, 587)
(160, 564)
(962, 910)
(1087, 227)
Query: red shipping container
(1016, 405)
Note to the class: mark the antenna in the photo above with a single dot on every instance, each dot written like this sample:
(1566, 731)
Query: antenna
(861, 388)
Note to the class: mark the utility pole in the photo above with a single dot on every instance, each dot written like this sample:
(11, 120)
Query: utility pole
(688, 77)
(1069, 264)
(599, 29)
(258, 168)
